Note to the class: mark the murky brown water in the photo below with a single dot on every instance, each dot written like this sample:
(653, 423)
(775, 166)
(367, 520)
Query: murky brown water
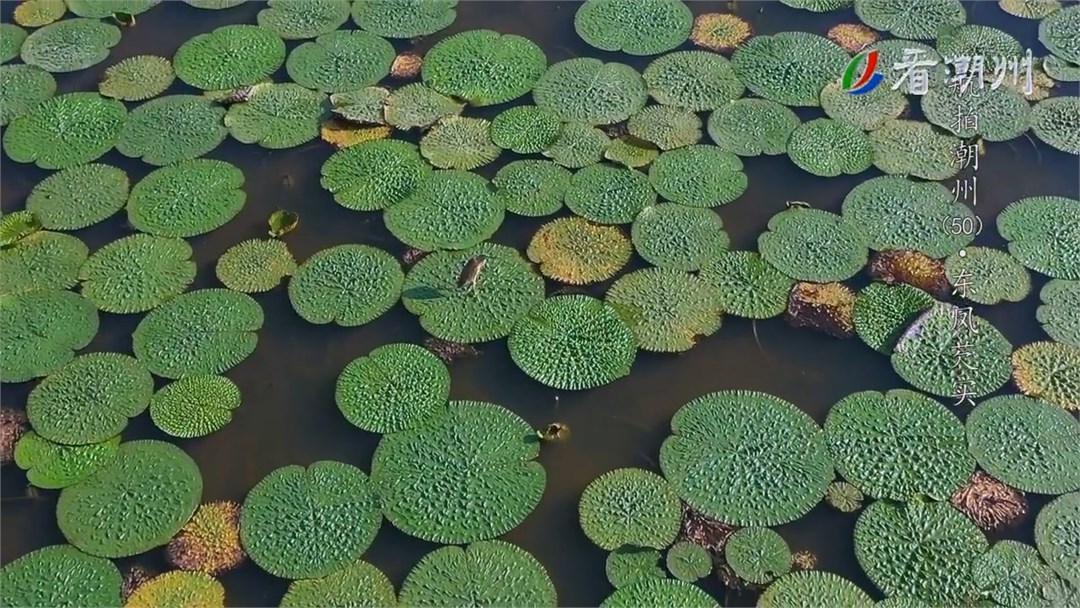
(288, 414)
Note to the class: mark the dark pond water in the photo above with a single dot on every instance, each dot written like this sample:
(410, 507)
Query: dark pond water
(289, 417)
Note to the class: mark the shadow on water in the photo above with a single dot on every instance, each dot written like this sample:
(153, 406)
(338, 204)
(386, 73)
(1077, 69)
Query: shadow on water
(289, 416)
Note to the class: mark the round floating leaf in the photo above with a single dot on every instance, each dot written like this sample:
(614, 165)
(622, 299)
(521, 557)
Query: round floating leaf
(255, 265)
(431, 488)
(668, 310)
(178, 588)
(630, 507)
(694, 80)
(1012, 574)
(587, 90)
(573, 342)
(1060, 311)
(679, 237)
(485, 573)
(374, 175)
(40, 330)
(36, 13)
(43, 260)
(1056, 529)
(829, 148)
(78, 197)
(1044, 234)
(187, 198)
(635, 27)
(813, 245)
(358, 584)
(293, 19)
(844, 496)
(60, 575)
(708, 460)
(1003, 113)
(814, 588)
(1030, 9)
(665, 127)
(608, 194)
(532, 188)
(503, 289)
(748, 286)
(1049, 371)
(576, 251)
(999, 276)
(659, 592)
(137, 502)
(1057, 69)
(924, 550)
(70, 45)
(348, 284)
(898, 445)
(689, 562)
(579, 145)
(195, 406)
(627, 565)
(65, 131)
(17, 226)
(137, 78)
(54, 466)
(277, 116)
(228, 57)
(97, 9)
(417, 105)
(202, 332)
(89, 399)
(451, 209)
(752, 127)
(868, 111)
(634, 153)
(883, 312)
(977, 41)
(1055, 121)
(459, 143)
(525, 129)
(393, 388)
(908, 147)
(483, 67)
(699, 176)
(1058, 33)
(364, 106)
(897, 213)
(342, 60)
(757, 555)
(926, 354)
(174, 128)
(818, 6)
(404, 18)
(308, 522)
(790, 67)
(719, 32)
(11, 41)
(21, 88)
(921, 19)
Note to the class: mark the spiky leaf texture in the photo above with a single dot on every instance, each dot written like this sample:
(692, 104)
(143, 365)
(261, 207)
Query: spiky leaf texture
(1044, 234)
(829, 148)
(814, 588)
(364, 106)
(456, 142)
(347, 284)
(65, 131)
(883, 312)
(294, 19)
(694, 80)
(813, 245)
(277, 116)
(483, 67)
(579, 145)
(635, 27)
(698, 176)
(679, 237)
(54, 466)
(1060, 311)
(187, 198)
(11, 41)
(1049, 371)
(485, 573)
(79, 197)
(748, 286)
(525, 129)
(908, 147)
(230, 56)
(752, 127)
(632, 152)
(178, 588)
(630, 507)
(1056, 529)
(587, 90)
(404, 18)
(757, 555)
(532, 188)
(921, 19)
(36, 13)
(790, 67)
(137, 273)
(60, 575)
(1003, 113)
(358, 584)
(627, 565)
(70, 45)
(393, 388)
(1055, 121)
(668, 309)
(665, 127)
(40, 330)
(42, 260)
(992, 276)
(688, 561)
(608, 194)
(21, 88)
(867, 111)
(576, 251)
(339, 61)
(374, 175)
(1012, 574)
(255, 265)
(418, 105)
(451, 209)
(137, 78)
(195, 406)
(659, 592)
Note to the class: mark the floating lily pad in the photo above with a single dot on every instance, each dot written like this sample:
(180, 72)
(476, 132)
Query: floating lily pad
(54, 466)
(679, 237)
(187, 198)
(1030, 9)
(1057, 69)
(579, 145)
(633, 152)
(21, 88)
(883, 312)
(635, 27)
(374, 175)
(818, 6)
(627, 565)
(757, 555)
(669, 310)
(666, 127)
(1058, 33)
(1055, 122)
(587, 90)
(358, 584)
(338, 61)
(608, 194)
(694, 80)
(483, 67)
(174, 128)
(973, 40)
(1056, 531)
(42, 260)
(659, 592)
(1012, 574)
(195, 406)
(815, 588)
(485, 573)
(98, 9)
(920, 20)
(790, 67)
(576, 251)
(40, 330)
(364, 106)
(1044, 234)
(11, 41)
(1049, 371)
(60, 575)
(137, 78)
(867, 111)
(829, 148)
(752, 127)
(16, 226)
(748, 286)
(70, 45)
(573, 342)
(1060, 311)
(178, 588)
(277, 116)
(525, 129)
(630, 507)
(348, 284)
(65, 131)
(404, 18)
(698, 176)
(394, 388)
(813, 245)
(451, 209)
(1002, 113)
(908, 147)
(418, 105)
(255, 265)
(36, 13)
(785, 477)
(689, 562)
(293, 19)
(532, 188)
(431, 488)
(459, 143)
(994, 276)
(230, 56)
(137, 273)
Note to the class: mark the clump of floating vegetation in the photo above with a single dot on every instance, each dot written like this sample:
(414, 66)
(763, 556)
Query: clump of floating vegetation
(844, 496)
(854, 37)
(826, 307)
(719, 31)
(990, 503)
(210, 541)
(13, 425)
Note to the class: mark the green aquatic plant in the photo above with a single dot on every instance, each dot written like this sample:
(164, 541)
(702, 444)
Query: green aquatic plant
(868, 111)
(1048, 371)
(693, 80)
(41, 260)
(758, 555)
(747, 285)
(813, 245)
(752, 127)
(1012, 574)
(719, 31)
(1000, 277)
(818, 6)
(815, 588)
(362, 106)
(255, 265)
(137, 273)
(456, 142)
(608, 194)
(484, 573)
(110, 8)
(207, 331)
(292, 521)
(630, 151)
(483, 67)
(40, 330)
(348, 285)
(1057, 69)
(844, 497)
(70, 45)
(1060, 311)
(630, 507)
(829, 148)
(340, 61)
(1056, 529)
(16, 227)
(576, 251)
(767, 489)
(374, 175)
(688, 562)
(919, 20)
(36, 13)
(579, 145)
(898, 444)
(642, 27)
(282, 222)
(90, 399)
(60, 575)
(669, 310)
(230, 56)
(195, 406)
(404, 18)
(54, 466)
(358, 584)
(429, 484)
(1057, 32)
(187, 198)
(525, 129)
(418, 105)
(210, 541)
(628, 565)
(137, 502)
(530, 187)
(883, 312)
(666, 127)
(297, 19)
(1003, 113)
(659, 592)
(11, 41)
(137, 78)
(573, 342)
(1044, 234)
(451, 209)
(21, 88)
(169, 129)
(790, 67)
(924, 550)
(394, 388)
(680, 237)
(587, 90)
(698, 176)
(277, 116)
(1054, 121)
(908, 147)
(65, 131)
(178, 588)
(974, 40)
